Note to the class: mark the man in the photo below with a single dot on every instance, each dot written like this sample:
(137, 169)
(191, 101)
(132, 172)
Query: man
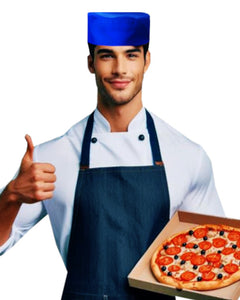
(135, 172)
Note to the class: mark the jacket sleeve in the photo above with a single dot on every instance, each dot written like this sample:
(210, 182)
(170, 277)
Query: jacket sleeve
(28, 216)
(202, 196)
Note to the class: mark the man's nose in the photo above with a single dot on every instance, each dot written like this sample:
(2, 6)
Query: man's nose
(119, 66)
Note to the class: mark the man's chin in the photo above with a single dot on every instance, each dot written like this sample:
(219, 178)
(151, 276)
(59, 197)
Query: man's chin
(117, 101)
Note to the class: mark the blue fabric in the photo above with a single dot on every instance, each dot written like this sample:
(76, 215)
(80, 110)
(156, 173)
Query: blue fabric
(118, 29)
(118, 212)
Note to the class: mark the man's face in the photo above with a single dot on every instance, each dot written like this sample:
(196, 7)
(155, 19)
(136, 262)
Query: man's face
(119, 72)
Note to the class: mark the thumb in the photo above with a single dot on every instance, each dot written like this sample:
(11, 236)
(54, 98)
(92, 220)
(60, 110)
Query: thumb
(28, 156)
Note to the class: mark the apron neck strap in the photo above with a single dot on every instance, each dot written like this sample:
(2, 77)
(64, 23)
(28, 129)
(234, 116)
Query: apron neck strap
(84, 164)
(156, 153)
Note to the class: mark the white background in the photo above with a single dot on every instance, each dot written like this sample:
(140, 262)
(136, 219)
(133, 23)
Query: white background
(45, 87)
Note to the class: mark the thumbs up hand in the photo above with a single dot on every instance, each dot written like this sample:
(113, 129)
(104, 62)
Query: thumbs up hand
(35, 181)
(27, 159)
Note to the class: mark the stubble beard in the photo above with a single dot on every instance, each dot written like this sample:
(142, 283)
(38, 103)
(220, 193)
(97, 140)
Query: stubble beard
(109, 100)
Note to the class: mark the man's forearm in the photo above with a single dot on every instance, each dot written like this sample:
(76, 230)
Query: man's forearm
(9, 208)
(34, 183)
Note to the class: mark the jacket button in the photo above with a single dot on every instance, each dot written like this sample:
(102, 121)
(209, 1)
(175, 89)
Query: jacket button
(94, 140)
(141, 137)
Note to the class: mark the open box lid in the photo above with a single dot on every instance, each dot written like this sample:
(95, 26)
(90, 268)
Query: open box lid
(141, 276)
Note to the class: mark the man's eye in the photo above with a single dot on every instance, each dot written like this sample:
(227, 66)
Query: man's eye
(106, 56)
(131, 55)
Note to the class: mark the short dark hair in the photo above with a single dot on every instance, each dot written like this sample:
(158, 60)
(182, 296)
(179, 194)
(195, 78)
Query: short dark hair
(92, 49)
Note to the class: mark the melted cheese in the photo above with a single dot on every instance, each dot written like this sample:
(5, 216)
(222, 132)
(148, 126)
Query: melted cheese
(187, 266)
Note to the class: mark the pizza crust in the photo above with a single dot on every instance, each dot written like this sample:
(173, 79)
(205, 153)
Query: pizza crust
(193, 285)
(198, 286)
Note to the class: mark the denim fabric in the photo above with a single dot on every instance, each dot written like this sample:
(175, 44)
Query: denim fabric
(118, 212)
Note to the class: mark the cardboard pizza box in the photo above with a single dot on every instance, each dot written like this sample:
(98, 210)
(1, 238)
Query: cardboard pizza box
(141, 276)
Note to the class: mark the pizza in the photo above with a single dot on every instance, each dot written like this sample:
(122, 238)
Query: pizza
(206, 257)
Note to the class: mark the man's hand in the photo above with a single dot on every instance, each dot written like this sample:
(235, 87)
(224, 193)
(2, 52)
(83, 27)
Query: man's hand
(35, 181)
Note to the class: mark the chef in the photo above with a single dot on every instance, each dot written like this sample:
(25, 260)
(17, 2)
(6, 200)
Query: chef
(111, 183)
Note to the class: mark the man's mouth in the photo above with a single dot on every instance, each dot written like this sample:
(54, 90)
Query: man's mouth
(119, 83)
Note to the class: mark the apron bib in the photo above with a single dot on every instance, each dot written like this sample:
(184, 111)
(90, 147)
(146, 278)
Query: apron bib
(118, 212)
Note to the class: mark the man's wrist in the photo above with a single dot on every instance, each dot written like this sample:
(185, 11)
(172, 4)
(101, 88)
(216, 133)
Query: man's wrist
(10, 196)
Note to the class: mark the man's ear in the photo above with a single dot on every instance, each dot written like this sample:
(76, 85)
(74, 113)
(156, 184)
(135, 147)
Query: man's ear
(91, 64)
(147, 61)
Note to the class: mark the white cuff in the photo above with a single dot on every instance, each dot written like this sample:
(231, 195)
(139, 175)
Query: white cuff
(8, 244)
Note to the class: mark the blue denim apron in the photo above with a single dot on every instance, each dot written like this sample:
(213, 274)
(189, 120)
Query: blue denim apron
(118, 211)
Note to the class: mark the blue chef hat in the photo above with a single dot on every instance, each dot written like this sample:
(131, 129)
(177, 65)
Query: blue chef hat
(118, 28)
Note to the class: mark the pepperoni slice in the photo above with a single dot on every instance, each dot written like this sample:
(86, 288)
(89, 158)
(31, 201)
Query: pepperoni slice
(179, 239)
(198, 260)
(231, 268)
(187, 275)
(208, 276)
(187, 256)
(234, 235)
(205, 268)
(237, 255)
(227, 251)
(238, 243)
(190, 245)
(174, 268)
(173, 250)
(213, 257)
(200, 233)
(219, 242)
(205, 245)
(164, 260)
(217, 264)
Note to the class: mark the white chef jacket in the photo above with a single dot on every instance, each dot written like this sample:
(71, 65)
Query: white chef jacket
(188, 170)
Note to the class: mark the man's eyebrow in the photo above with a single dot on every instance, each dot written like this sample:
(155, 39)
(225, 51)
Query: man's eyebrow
(100, 51)
(134, 50)
(105, 50)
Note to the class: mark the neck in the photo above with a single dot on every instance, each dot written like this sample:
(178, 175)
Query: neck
(120, 116)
